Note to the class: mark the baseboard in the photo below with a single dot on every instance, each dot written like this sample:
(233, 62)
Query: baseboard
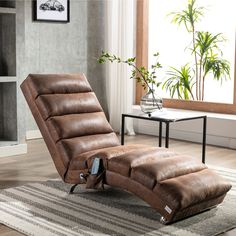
(33, 134)
(13, 150)
(189, 135)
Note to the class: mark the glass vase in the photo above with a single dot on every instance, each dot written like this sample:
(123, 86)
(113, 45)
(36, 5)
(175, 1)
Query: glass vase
(151, 102)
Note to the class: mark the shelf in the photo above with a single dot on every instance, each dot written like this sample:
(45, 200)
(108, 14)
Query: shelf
(7, 10)
(4, 143)
(5, 79)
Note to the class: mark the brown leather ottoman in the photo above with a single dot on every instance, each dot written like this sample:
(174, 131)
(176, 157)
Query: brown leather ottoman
(76, 131)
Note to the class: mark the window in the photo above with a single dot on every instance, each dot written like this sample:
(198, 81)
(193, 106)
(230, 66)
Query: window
(164, 36)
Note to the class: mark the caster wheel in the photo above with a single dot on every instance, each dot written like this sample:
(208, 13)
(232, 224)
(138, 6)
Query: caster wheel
(163, 220)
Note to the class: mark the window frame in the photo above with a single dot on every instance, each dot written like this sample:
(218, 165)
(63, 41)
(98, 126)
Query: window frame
(142, 60)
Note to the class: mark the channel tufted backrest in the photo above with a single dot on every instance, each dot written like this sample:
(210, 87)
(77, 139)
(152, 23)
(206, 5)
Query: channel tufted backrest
(68, 115)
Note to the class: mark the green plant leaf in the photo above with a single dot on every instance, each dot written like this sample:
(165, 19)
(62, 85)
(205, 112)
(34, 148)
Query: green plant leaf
(180, 82)
(142, 75)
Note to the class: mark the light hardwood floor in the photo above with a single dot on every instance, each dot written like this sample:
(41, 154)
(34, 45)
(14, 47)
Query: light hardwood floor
(37, 164)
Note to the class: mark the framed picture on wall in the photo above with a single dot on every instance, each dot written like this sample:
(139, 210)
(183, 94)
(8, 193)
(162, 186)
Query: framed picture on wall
(51, 10)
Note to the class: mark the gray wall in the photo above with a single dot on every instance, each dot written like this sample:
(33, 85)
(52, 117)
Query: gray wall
(62, 48)
(95, 44)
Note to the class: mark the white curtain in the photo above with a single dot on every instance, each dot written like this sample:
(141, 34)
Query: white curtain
(120, 40)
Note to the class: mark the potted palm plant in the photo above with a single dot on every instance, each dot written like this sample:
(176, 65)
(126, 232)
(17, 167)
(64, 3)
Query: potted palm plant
(207, 57)
(150, 102)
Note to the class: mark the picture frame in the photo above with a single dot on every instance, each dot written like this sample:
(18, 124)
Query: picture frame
(51, 10)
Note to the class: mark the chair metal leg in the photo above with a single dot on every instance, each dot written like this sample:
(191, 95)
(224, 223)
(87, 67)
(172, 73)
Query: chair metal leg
(82, 177)
(72, 188)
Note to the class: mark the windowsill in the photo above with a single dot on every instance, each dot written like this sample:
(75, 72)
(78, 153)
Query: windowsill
(136, 108)
(221, 128)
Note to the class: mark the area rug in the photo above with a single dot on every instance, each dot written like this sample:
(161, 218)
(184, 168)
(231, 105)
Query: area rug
(46, 209)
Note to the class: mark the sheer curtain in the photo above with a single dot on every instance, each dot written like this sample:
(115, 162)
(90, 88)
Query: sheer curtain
(120, 40)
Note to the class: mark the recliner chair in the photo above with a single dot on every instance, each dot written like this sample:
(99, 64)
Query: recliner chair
(76, 131)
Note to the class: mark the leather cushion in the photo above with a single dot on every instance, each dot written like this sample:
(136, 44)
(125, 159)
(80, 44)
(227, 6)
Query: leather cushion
(76, 146)
(159, 169)
(75, 125)
(62, 104)
(123, 164)
(186, 190)
(85, 160)
(57, 83)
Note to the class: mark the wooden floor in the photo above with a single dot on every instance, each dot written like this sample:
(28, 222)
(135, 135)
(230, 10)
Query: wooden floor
(37, 165)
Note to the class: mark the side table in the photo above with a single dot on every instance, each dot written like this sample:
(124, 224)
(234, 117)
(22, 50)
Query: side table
(167, 118)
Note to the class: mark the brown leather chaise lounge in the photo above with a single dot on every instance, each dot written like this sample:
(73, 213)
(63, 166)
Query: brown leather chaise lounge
(76, 131)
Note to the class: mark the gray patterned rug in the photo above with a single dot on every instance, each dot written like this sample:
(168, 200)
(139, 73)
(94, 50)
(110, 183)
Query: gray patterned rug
(46, 209)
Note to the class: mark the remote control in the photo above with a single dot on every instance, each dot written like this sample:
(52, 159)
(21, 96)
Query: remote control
(95, 166)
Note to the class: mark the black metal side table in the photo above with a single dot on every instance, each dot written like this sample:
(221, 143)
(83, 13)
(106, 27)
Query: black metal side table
(167, 118)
